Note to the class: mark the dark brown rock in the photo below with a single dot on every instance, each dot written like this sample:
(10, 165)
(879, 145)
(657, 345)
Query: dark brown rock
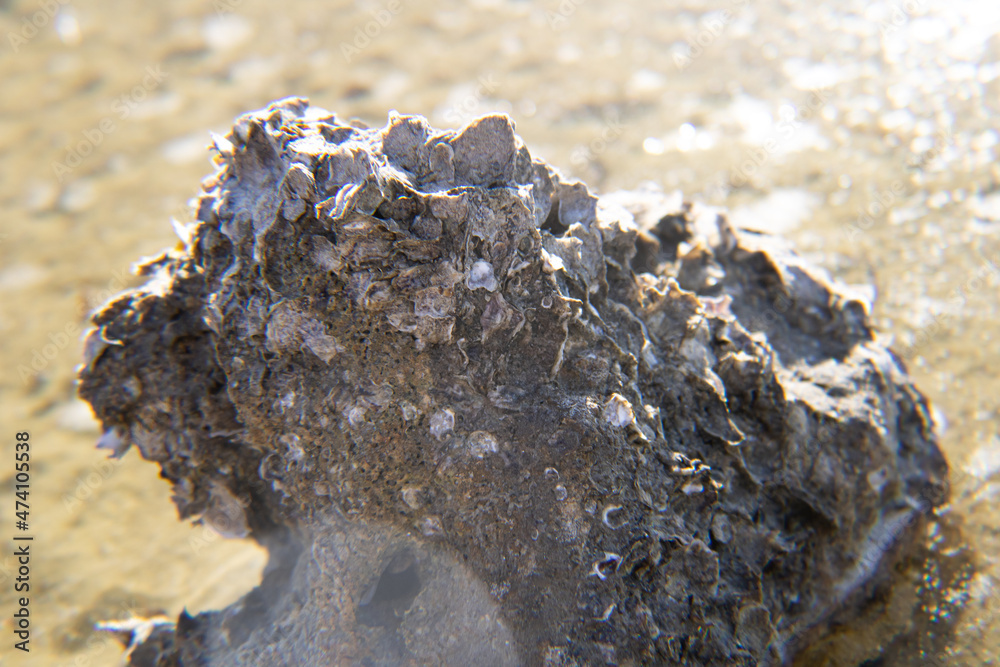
(480, 416)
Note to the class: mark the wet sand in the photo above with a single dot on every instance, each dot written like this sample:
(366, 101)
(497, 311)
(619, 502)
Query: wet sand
(866, 134)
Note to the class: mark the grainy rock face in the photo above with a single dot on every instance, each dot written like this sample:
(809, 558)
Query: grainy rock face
(480, 416)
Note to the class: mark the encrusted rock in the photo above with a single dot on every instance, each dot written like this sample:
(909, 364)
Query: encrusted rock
(480, 416)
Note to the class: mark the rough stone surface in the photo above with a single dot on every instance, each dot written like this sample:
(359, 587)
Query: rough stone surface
(480, 416)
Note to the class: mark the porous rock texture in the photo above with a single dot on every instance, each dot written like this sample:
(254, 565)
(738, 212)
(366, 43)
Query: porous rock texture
(480, 416)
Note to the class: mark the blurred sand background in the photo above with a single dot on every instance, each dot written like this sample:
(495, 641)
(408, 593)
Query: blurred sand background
(867, 132)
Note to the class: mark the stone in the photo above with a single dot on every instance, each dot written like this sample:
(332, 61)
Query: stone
(479, 415)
